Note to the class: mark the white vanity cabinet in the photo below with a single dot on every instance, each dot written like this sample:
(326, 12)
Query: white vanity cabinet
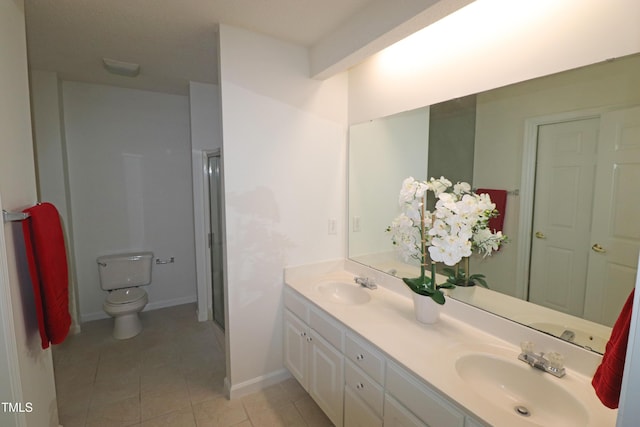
(313, 346)
(354, 382)
(423, 402)
(364, 376)
(397, 415)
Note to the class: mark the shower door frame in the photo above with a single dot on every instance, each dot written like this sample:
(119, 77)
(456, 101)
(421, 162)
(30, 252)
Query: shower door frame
(210, 237)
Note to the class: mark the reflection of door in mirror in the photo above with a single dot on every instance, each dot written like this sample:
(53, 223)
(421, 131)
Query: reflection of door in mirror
(613, 260)
(565, 173)
(585, 232)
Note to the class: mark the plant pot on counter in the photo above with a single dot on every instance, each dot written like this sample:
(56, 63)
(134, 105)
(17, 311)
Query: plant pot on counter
(426, 309)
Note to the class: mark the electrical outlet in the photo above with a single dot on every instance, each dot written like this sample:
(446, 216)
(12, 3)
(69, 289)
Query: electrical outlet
(356, 224)
(333, 226)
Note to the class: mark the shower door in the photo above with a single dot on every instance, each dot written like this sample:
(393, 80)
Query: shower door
(215, 237)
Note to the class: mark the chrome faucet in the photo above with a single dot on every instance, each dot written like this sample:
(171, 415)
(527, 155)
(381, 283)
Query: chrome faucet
(366, 282)
(551, 363)
(568, 335)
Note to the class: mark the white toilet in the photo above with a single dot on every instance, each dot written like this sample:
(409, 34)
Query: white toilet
(121, 274)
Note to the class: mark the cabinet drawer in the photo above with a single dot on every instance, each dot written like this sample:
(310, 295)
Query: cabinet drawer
(364, 387)
(327, 328)
(419, 399)
(365, 357)
(396, 415)
(356, 413)
(296, 304)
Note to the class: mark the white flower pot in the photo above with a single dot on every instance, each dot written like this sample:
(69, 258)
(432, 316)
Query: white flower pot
(463, 293)
(426, 309)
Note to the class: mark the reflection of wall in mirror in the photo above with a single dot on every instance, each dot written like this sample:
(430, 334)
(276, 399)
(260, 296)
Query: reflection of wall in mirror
(501, 114)
(451, 139)
(382, 153)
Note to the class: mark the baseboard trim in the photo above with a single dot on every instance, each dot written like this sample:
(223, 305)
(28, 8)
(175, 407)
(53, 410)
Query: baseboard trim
(88, 317)
(235, 391)
(170, 303)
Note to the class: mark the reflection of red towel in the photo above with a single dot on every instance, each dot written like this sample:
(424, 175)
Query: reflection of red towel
(499, 197)
(607, 380)
(44, 242)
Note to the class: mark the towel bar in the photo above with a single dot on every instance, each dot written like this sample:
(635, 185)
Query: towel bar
(515, 192)
(14, 216)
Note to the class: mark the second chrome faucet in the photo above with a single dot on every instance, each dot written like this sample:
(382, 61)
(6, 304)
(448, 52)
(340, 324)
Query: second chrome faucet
(551, 363)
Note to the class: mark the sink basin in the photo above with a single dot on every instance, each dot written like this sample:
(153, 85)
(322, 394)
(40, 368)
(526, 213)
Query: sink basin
(528, 394)
(344, 293)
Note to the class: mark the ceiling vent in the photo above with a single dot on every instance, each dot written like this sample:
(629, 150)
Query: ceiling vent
(120, 68)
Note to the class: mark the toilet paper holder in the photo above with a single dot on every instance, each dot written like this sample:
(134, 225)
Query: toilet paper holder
(165, 261)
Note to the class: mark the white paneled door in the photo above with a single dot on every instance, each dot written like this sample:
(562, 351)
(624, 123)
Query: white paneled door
(586, 228)
(565, 173)
(615, 236)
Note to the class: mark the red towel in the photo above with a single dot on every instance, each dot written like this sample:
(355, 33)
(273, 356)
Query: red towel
(499, 197)
(44, 242)
(607, 380)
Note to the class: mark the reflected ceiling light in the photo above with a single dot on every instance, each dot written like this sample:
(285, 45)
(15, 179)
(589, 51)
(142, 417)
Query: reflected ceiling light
(120, 68)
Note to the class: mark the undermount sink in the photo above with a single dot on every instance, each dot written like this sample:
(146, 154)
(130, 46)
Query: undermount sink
(528, 394)
(344, 293)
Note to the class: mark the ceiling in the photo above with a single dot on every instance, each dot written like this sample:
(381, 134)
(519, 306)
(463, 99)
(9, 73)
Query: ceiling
(174, 41)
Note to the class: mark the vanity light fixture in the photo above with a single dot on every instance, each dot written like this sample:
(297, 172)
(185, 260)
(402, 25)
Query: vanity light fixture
(121, 68)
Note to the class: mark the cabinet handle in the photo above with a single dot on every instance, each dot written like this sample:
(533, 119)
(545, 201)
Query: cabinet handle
(359, 386)
(309, 339)
(360, 357)
(303, 334)
(598, 248)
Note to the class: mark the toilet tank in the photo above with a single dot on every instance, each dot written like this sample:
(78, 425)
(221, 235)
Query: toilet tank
(125, 270)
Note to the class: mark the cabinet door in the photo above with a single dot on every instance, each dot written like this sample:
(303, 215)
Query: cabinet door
(326, 378)
(396, 415)
(357, 413)
(427, 404)
(296, 337)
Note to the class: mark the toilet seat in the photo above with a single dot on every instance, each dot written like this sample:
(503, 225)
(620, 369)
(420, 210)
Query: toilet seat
(125, 296)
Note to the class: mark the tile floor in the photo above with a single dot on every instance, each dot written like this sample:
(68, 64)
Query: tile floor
(169, 375)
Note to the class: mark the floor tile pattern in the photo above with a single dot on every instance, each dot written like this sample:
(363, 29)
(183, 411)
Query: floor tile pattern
(170, 375)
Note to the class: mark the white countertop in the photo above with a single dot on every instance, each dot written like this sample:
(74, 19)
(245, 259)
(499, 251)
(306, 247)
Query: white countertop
(429, 351)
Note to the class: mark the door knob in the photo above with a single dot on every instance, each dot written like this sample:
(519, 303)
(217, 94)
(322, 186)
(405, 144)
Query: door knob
(597, 248)
(540, 235)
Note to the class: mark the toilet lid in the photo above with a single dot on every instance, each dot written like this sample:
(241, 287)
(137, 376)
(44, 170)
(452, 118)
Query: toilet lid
(124, 296)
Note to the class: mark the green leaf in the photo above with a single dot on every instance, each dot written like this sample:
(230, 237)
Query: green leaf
(427, 292)
(449, 271)
(438, 297)
(481, 281)
(419, 285)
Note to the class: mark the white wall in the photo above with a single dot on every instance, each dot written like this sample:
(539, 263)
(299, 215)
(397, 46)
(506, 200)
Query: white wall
(284, 139)
(26, 370)
(206, 136)
(51, 165)
(129, 162)
(471, 51)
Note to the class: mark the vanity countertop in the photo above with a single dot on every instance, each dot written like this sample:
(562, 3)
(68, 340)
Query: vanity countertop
(430, 351)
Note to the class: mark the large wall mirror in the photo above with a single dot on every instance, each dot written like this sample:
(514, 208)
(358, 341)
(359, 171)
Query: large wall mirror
(566, 148)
